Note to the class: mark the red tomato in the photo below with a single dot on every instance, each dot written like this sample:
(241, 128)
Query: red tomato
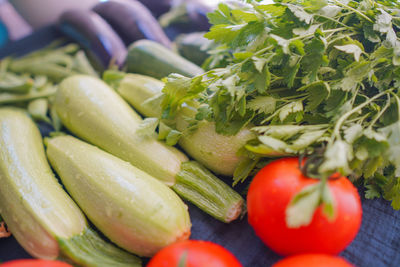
(34, 263)
(313, 260)
(194, 253)
(269, 195)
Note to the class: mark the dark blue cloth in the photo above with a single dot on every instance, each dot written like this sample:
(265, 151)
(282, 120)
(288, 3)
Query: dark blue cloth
(376, 245)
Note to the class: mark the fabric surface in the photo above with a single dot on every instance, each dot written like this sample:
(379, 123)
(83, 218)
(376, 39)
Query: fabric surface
(376, 245)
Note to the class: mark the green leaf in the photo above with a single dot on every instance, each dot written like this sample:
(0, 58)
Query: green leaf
(285, 132)
(299, 46)
(370, 34)
(275, 10)
(314, 59)
(173, 137)
(267, 151)
(259, 63)
(243, 169)
(328, 203)
(270, 146)
(220, 15)
(283, 43)
(179, 89)
(383, 22)
(242, 15)
(147, 127)
(350, 49)
(306, 139)
(292, 71)
(224, 33)
(248, 33)
(306, 31)
(296, 106)
(372, 165)
(203, 113)
(392, 192)
(183, 259)
(300, 13)
(163, 131)
(352, 133)
(372, 191)
(355, 74)
(336, 158)
(262, 80)
(302, 206)
(392, 133)
(242, 55)
(317, 93)
(396, 56)
(330, 11)
(262, 104)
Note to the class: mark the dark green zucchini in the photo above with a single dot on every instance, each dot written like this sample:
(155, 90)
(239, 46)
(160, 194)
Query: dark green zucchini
(193, 46)
(152, 59)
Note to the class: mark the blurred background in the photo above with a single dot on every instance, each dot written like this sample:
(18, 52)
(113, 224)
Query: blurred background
(18, 18)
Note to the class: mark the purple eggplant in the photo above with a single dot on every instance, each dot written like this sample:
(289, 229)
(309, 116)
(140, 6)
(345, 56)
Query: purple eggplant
(158, 7)
(94, 34)
(132, 21)
(188, 16)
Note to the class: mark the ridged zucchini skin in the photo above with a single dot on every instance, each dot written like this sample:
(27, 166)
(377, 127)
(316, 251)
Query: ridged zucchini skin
(93, 111)
(41, 215)
(32, 202)
(133, 209)
(152, 59)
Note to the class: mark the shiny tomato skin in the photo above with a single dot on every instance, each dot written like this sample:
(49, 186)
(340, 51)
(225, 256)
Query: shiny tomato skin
(270, 193)
(35, 263)
(198, 254)
(313, 260)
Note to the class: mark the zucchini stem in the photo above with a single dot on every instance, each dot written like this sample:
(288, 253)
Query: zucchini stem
(202, 188)
(89, 249)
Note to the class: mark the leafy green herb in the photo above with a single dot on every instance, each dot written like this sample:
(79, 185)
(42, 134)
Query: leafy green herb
(326, 72)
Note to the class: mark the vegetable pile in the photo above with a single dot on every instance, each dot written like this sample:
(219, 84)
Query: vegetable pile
(298, 94)
(310, 78)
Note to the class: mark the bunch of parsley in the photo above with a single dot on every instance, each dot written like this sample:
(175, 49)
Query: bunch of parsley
(319, 78)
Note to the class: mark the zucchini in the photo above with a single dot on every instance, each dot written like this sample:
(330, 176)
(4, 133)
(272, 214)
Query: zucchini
(139, 213)
(193, 46)
(215, 151)
(152, 59)
(40, 214)
(90, 109)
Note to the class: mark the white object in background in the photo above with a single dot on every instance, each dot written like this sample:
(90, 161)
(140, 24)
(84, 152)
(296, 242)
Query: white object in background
(39, 13)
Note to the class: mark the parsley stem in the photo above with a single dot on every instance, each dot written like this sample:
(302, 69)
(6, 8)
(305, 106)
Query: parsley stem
(398, 103)
(334, 20)
(312, 34)
(354, 10)
(336, 130)
(380, 113)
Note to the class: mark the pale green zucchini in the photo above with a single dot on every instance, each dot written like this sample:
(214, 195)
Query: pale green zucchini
(138, 212)
(39, 213)
(90, 109)
(215, 151)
